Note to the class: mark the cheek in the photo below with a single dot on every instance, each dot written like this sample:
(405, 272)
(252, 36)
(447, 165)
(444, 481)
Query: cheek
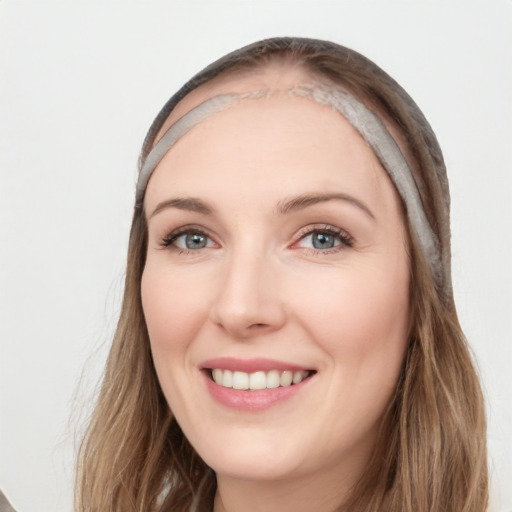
(173, 308)
(361, 320)
(361, 323)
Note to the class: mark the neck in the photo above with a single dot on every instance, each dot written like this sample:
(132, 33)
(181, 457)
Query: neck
(298, 495)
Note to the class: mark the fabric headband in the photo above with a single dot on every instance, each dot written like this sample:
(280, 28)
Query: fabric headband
(367, 124)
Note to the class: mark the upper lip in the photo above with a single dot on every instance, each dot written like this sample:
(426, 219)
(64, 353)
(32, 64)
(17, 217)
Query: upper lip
(250, 365)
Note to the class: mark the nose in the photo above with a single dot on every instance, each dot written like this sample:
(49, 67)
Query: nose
(249, 303)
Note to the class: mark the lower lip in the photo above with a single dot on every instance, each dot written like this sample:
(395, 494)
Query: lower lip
(257, 400)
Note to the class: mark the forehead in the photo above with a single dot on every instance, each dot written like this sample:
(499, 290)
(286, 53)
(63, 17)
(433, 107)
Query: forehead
(267, 148)
(276, 76)
(275, 122)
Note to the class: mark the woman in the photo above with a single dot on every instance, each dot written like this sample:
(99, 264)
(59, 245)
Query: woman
(288, 338)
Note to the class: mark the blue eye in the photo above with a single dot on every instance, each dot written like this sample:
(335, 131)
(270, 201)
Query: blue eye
(192, 241)
(325, 239)
(188, 241)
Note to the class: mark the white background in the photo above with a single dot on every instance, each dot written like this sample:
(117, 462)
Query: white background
(80, 83)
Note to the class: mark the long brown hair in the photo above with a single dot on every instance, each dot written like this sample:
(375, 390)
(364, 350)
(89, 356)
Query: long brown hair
(431, 453)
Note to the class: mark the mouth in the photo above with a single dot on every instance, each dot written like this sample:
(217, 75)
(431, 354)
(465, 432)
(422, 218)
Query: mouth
(258, 380)
(254, 384)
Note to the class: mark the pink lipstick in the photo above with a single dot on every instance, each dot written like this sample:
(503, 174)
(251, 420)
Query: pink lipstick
(253, 384)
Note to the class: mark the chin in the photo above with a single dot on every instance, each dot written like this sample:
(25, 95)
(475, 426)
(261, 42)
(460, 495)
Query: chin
(254, 470)
(252, 461)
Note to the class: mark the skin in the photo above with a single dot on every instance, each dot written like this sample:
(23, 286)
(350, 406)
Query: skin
(260, 289)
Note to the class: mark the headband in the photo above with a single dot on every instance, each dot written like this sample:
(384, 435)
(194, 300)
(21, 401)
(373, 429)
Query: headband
(366, 123)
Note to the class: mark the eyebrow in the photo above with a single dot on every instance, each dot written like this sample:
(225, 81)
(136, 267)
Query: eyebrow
(305, 200)
(292, 205)
(189, 203)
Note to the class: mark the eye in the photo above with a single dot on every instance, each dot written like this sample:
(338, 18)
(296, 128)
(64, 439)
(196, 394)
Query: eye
(188, 240)
(324, 239)
(321, 240)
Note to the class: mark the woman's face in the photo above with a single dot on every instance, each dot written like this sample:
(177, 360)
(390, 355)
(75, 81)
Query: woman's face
(276, 251)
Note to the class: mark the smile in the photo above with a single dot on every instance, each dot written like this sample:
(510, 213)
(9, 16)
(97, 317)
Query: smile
(255, 384)
(258, 380)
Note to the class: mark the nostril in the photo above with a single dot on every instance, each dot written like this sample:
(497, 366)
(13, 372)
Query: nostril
(255, 326)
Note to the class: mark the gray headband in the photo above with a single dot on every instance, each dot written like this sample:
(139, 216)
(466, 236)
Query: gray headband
(367, 124)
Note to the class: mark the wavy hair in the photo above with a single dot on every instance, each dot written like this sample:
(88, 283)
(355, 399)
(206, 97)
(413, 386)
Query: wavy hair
(430, 455)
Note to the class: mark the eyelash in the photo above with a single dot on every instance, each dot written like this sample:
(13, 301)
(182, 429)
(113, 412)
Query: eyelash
(325, 229)
(345, 239)
(168, 241)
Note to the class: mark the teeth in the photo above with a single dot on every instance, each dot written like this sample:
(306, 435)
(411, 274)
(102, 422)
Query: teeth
(273, 379)
(228, 379)
(297, 377)
(240, 380)
(258, 380)
(286, 378)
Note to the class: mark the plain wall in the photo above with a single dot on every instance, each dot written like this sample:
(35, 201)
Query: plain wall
(80, 83)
